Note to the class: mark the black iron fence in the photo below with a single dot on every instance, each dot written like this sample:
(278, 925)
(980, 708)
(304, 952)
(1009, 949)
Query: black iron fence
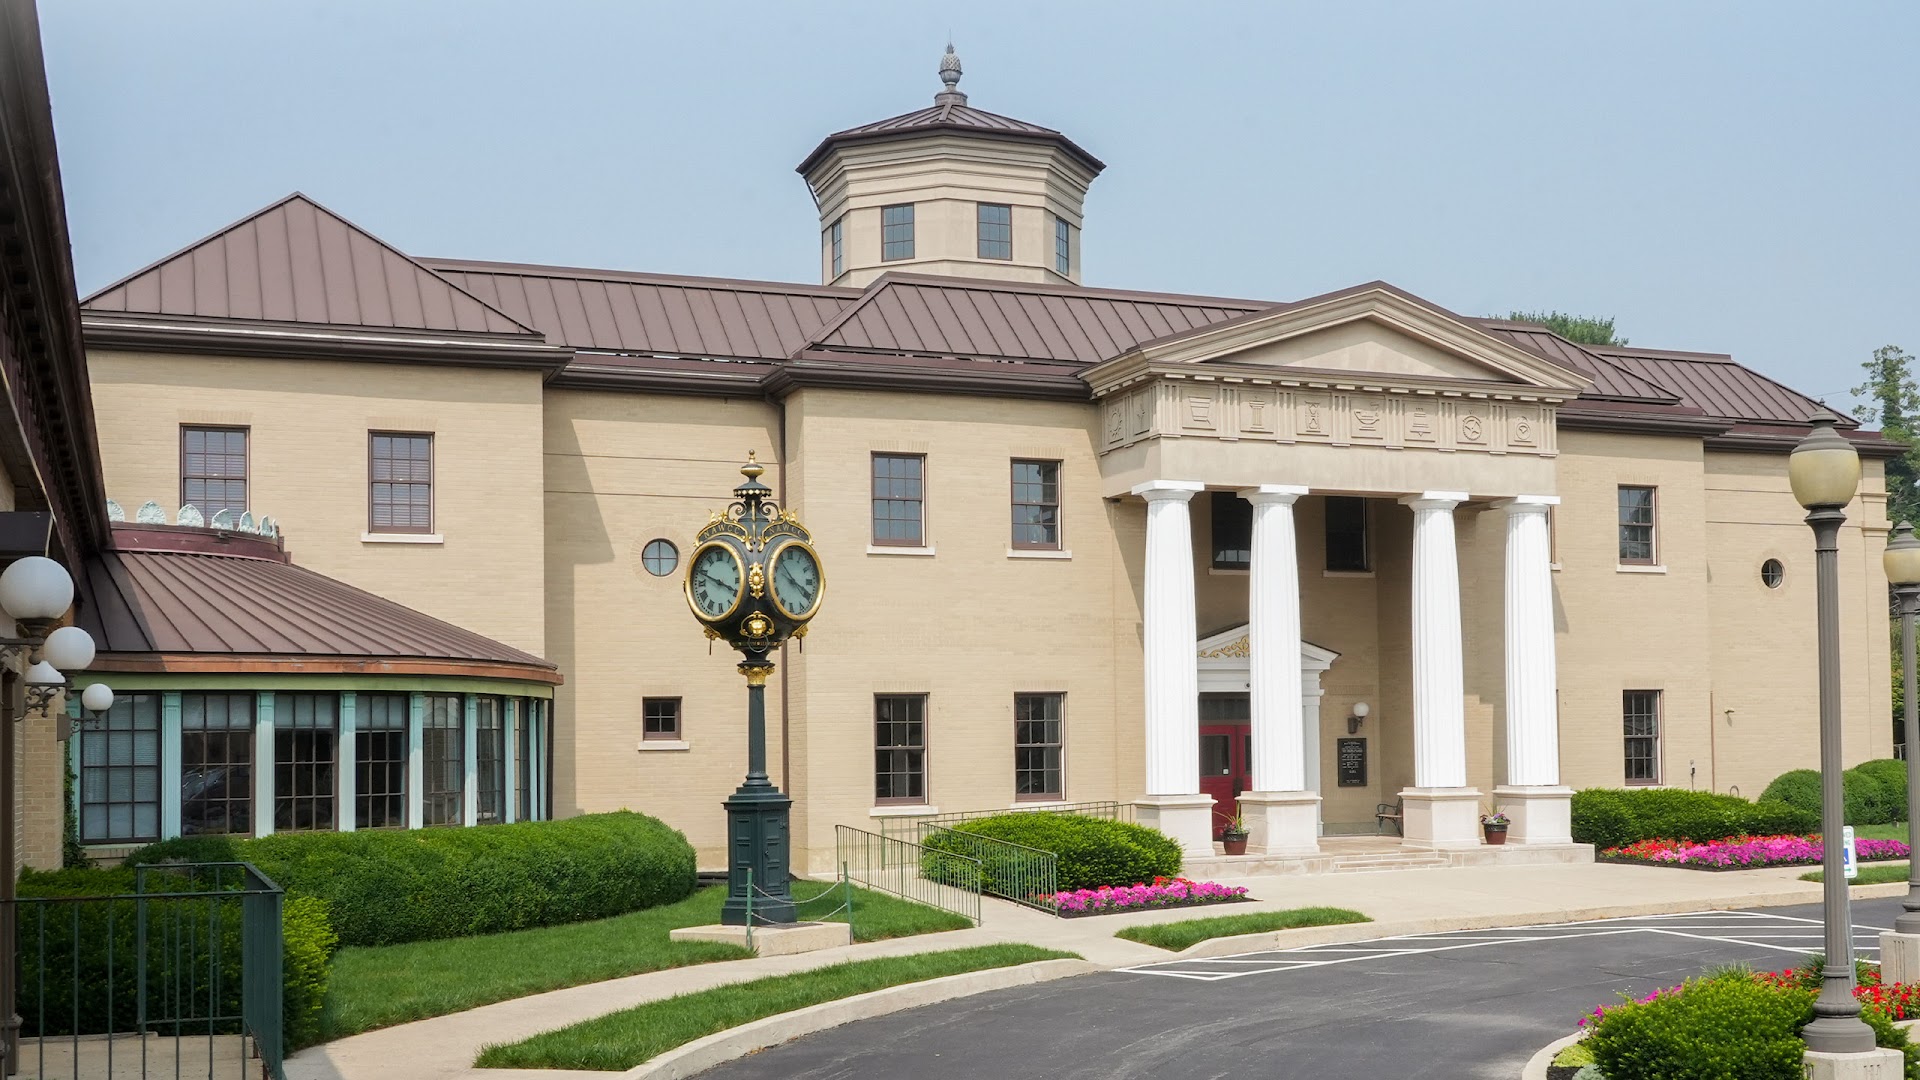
(946, 880)
(181, 977)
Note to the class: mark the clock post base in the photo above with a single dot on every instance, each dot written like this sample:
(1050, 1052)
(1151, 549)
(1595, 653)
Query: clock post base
(757, 854)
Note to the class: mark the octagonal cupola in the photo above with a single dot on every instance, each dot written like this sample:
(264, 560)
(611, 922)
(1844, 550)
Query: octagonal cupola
(950, 189)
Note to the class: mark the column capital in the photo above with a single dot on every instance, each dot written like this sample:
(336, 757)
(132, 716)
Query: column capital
(1527, 504)
(1434, 500)
(1281, 494)
(1156, 490)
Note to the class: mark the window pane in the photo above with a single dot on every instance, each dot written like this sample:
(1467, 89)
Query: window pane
(1037, 750)
(660, 718)
(400, 482)
(1232, 531)
(1640, 713)
(443, 748)
(120, 773)
(490, 760)
(897, 499)
(1036, 504)
(995, 231)
(1062, 246)
(899, 747)
(380, 761)
(213, 469)
(896, 232)
(1636, 524)
(305, 752)
(216, 763)
(1346, 533)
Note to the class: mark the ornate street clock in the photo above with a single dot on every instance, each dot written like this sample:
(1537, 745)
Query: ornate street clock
(754, 581)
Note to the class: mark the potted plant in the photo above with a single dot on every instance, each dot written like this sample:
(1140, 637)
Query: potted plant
(1495, 825)
(1234, 837)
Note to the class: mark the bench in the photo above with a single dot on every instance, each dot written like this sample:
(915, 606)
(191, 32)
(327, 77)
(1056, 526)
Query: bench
(1393, 812)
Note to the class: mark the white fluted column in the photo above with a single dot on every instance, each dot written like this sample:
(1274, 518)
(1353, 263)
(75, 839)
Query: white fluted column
(1539, 808)
(1282, 815)
(1441, 811)
(1173, 803)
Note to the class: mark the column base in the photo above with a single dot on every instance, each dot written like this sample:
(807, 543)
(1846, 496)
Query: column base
(1539, 814)
(1186, 818)
(1884, 1063)
(1281, 822)
(1441, 817)
(1899, 957)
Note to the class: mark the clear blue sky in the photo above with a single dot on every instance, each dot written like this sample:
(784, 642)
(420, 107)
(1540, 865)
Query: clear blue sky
(1730, 177)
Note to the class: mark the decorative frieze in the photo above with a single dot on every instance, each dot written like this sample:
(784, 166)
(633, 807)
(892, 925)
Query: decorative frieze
(1336, 416)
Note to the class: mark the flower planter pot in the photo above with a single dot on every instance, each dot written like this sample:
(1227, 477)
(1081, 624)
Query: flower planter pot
(1496, 834)
(1234, 843)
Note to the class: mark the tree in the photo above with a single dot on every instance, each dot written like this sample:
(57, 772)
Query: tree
(1582, 329)
(1892, 392)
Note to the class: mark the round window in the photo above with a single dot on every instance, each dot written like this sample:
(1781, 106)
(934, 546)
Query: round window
(1772, 573)
(660, 557)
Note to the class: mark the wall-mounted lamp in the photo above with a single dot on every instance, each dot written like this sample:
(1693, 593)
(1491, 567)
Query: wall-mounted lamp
(1360, 712)
(34, 592)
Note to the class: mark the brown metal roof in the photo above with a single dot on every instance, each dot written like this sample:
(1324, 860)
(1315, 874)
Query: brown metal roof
(612, 311)
(187, 593)
(956, 117)
(944, 316)
(1610, 380)
(298, 262)
(1718, 386)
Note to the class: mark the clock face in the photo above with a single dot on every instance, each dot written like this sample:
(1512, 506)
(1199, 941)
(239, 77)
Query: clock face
(796, 580)
(713, 582)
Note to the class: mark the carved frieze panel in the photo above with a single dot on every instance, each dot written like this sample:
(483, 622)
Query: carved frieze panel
(1313, 416)
(1422, 421)
(1368, 418)
(1258, 412)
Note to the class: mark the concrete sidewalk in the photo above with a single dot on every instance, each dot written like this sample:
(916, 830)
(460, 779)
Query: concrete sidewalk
(1400, 902)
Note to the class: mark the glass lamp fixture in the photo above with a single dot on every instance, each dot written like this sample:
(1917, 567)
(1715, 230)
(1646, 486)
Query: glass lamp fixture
(1360, 711)
(1824, 469)
(97, 698)
(1902, 557)
(68, 648)
(36, 588)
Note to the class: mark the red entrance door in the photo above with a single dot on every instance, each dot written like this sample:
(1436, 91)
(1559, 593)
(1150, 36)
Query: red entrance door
(1225, 750)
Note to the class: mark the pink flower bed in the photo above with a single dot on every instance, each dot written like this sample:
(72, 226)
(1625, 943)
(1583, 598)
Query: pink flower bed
(1750, 852)
(1164, 892)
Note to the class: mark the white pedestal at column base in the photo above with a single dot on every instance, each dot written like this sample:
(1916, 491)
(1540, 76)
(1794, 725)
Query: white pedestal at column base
(1899, 957)
(1281, 822)
(1884, 1063)
(1538, 815)
(1186, 818)
(1441, 817)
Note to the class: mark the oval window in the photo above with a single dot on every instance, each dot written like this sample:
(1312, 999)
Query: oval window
(660, 557)
(1772, 573)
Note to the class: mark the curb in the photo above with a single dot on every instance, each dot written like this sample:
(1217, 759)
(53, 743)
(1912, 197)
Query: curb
(1344, 932)
(724, 1046)
(1536, 1067)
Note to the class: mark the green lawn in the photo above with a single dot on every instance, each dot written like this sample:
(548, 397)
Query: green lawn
(1175, 936)
(1881, 832)
(393, 984)
(621, 1040)
(1870, 874)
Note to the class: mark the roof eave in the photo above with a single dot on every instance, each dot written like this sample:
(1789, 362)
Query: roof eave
(176, 334)
(309, 664)
(832, 142)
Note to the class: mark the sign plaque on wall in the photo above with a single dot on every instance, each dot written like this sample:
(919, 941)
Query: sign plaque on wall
(1352, 762)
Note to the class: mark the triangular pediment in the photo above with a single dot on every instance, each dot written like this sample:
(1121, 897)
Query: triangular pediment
(1373, 334)
(1230, 648)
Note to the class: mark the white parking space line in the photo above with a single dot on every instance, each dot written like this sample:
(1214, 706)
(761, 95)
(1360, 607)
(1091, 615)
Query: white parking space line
(1759, 930)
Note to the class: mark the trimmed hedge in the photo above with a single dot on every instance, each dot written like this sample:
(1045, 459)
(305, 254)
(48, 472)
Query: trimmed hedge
(1089, 852)
(1612, 817)
(385, 887)
(1873, 792)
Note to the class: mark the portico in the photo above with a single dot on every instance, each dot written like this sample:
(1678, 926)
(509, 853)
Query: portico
(1364, 395)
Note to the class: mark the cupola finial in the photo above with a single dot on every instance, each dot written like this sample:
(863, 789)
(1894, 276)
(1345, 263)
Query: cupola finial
(950, 78)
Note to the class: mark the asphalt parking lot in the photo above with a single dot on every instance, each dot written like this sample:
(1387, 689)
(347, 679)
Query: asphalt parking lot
(1463, 1005)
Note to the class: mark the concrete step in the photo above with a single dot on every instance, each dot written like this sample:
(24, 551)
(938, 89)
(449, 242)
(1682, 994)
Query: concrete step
(1359, 864)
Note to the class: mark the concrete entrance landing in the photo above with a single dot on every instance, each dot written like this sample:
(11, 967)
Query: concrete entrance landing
(1362, 854)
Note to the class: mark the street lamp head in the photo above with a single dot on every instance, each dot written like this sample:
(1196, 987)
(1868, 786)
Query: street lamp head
(1824, 468)
(68, 648)
(97, 698)
(44, 674)
(35, 589)
(1902, 557)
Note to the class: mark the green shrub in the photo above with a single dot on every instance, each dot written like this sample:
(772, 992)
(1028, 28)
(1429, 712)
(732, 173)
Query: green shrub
(1608, 817)
(386, 887)
(1873, 792)
(1089, 852)
(308, 948)
(1721, 1027)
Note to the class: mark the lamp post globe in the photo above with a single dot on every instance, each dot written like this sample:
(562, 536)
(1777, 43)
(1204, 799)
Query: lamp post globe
(1902, 563)
(35, 589)
(1824, 472)
(97, 698)
(68, 648)
(754, 581)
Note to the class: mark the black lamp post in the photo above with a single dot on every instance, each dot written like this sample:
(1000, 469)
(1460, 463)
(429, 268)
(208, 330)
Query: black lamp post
(1824, 470)
(754, 581)
(1902, 563)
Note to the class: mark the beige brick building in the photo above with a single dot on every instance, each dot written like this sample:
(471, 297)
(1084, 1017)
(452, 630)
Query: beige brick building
(1081, 544)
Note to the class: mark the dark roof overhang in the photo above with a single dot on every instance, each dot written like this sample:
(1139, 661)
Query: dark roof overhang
(928, 374)
(856, 137)
(308, 341)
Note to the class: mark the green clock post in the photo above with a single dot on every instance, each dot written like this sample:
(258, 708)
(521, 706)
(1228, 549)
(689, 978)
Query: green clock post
(754, 581)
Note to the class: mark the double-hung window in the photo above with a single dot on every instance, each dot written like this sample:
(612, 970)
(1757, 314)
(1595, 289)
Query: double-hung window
(1640, 713)
(900, 748)
(380, 761)
(400, 483)
(1638, 540)
(1062, 246)
(213, 469)
(898, 500)
(443, 751)
(1347, 534)
(896, 232)
(1036, 505)
(216, 763)
(1036, 746)
(1232, 531)
(490, 759)
(836, 245)
(306, 753)
(995, 231)
(120, 773)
